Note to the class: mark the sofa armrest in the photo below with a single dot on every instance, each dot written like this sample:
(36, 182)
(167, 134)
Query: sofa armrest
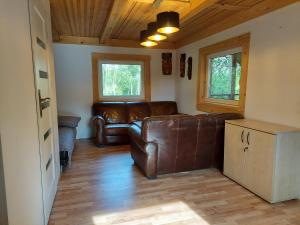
(144, 154)
(99, 124)
(68, 121)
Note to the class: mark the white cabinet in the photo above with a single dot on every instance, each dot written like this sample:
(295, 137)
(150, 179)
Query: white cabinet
(264, 158)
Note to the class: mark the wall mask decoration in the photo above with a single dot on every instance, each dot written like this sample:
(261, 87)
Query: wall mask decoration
(190, 67)
(166, 63)
(182, 65)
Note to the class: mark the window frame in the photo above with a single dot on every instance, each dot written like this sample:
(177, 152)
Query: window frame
(99, 58)
(206, 104)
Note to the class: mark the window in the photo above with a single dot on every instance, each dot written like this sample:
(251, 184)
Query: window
(223, 75)
(121, 77)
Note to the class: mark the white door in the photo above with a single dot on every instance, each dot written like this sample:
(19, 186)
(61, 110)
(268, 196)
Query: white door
(234, 157)
(260, 163)
(38, 23)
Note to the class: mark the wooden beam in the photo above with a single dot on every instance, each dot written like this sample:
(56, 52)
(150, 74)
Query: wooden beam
(136, 44)
(237, 18)
(78, 40)
(107, 19)
(230, 7)
(197, 6)
(119, 7)
(145, 1)
(110, 42)
(156, 3)
(153, 1)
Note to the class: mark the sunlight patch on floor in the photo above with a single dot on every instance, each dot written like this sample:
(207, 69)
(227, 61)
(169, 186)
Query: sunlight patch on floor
(169, 213)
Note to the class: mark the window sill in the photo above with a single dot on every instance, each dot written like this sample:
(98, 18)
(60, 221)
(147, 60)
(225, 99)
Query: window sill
(218, 108)
(123, 100)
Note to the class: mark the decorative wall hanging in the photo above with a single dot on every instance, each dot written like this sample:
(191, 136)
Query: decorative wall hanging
(182, 65)
(166, 63)
(189, 71)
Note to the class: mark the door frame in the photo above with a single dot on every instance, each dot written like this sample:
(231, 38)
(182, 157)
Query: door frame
(3, 206)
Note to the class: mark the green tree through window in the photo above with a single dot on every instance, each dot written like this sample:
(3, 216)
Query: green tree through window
(225, 74)
(121, 80)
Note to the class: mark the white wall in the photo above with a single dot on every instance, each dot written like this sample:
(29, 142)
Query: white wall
(273, 87)
(74, 79)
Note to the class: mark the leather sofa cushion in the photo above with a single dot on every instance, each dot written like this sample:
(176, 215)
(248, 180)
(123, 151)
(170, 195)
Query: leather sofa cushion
(116, 129)
(163, 108)
(112, 112)
(137, 111)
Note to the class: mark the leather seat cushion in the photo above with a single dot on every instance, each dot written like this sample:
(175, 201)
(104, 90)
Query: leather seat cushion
(116, 129)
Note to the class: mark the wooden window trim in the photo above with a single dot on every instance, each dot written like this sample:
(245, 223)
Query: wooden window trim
(121, 57)
(243, 42)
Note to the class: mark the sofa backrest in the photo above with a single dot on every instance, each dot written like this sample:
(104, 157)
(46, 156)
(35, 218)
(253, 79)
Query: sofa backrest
(176, 137)
(163, 108)
(187, 142)
(137, 111)
(206, 138)
(112, 112)
(127, 112)
(210, 147)
(218, 156)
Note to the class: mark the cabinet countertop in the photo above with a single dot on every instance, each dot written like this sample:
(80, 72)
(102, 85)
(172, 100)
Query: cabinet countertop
(267, 127)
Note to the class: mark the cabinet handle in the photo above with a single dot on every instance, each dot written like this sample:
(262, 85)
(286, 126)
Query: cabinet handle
(248, 135)
(242, 136)
(245, 149)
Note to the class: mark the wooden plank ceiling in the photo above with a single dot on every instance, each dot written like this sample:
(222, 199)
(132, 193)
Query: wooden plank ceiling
(118, 22)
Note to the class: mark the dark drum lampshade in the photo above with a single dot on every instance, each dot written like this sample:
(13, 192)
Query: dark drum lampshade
(167, 22)
(153, 34)
(144, 41)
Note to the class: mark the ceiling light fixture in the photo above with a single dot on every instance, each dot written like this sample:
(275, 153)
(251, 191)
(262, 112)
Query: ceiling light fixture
(168, 22)
(144, 41)
(153, 34)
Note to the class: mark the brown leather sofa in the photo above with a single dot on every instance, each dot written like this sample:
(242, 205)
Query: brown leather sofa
(170, 144)
(112, 119)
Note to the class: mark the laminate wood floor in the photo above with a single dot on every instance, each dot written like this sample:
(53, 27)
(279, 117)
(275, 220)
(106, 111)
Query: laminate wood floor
(103, 187)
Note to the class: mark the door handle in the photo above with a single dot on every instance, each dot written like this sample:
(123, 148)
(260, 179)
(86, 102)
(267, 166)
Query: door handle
(242, 136)
(43, 103)
(248, 135)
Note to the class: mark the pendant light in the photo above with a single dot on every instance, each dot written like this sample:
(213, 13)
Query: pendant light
(144, 41)
(168, 22)
(153, 34)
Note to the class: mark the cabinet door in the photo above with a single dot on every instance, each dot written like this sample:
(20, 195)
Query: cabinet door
(259, 163)
(234, 157)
